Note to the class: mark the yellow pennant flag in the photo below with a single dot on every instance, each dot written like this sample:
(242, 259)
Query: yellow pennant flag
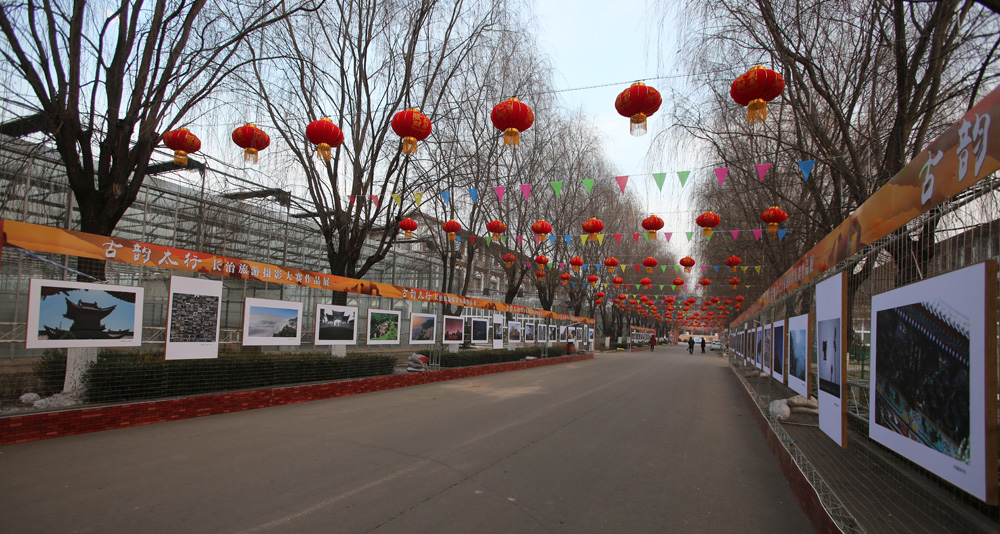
(600, 239)
(398, 199)
(583, 239)
(758, 269)
(417, 197)
(623, 267)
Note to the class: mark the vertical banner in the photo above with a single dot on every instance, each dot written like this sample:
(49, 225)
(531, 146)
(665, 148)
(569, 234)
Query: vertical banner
(193, 318)
(831, 358)
(798, 354)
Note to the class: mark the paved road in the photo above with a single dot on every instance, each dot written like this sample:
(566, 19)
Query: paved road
(641, 442)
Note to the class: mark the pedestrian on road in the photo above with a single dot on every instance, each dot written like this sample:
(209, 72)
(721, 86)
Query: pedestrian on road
(690, 345)
(652, 342)
(703, 345)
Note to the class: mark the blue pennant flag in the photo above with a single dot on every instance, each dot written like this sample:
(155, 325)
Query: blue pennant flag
(569, 240)
(474, 193)
(781, 234)
(446, 195)
(552, 238)
(716, 268)
(806, 167)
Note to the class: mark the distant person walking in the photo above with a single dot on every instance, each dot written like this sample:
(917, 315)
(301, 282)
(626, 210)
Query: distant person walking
(652, 342)
(690, 345)
(703, 345)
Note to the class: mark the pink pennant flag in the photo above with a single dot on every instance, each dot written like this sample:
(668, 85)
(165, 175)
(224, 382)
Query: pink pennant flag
(374, 199)
(562, 265)
(352, 199)
(618, 239)
(622, 180)
(756, 234)
(527, 264)
(736, 233)
(720, 174)
(668, 235)
(526, 190)
(762, 170)
(500, 189)
(703, 267)
(518, 238)
(636, 237)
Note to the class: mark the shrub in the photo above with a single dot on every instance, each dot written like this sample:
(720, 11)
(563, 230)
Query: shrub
(491, 356)
(118, 377)
(51, 372)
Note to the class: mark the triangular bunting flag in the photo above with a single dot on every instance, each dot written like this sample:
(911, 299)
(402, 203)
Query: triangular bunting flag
(703, 267)
(574, 284)
(762, 170)
(552, 239)
(716, 268)
(499, 190)
(736, 233)
(745, 267)
(446, 196)
(374, 200)
(587, 182)
(562, 266)
(489, 240)
(708, 238)
(683, 177)
(659, 177)
(668, 235)
(663, 268)
(677, 268)
(757, 268)
(583, 239)
(526, 190)
(618, 239)
(600, 239)
(458, 239)
(661, 287)
(636, 237)
(689, 235)
(472, 239)
(756, 234)
(569, 240)
(806, 167)
(622, 181)
(647, 236)
(398, 199)
(720, 174)
(351, 197)
(474, 193)
(637, 267)
(417, 197)
(623, 267)
(557, 187)
(781, 233)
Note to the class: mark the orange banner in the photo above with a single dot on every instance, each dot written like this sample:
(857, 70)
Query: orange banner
(953, 162)
(39, 238)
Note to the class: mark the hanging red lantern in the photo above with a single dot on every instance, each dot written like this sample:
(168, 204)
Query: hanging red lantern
(496, 228)
(565, 278)
(252, 140)
(611, 263)
(687, 262)
(326, 136)
(705, 282)
(617, 281)
(754, 89)
(645, 282)
(727, 302)
(644, 298)
(182, 142)
(593, 279)
(408, 225)
(651, 224)
(576, 262)
(412, 126)
(452, 227)
(732, 262)
(540, 274)
(707, 221)
(512, 117)
(599, 295)
(740, 298)
(734, 282)
(593, 227)
(541, 229)
(542, 260)
(637, 103)
(650, 262)
(509, 259)
(773, 216)
(714, 300)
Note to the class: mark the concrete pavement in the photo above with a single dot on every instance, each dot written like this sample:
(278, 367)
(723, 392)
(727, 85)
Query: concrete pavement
(628, 442)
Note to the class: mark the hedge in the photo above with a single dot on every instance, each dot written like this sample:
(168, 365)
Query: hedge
(485, 357)
(118, 377)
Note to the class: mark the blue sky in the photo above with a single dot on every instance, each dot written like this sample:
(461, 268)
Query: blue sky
(51, 310)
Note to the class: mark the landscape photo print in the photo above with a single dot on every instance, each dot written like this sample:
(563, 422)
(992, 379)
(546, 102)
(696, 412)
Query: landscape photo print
(336, 325)
(64, 314)
(269, 322)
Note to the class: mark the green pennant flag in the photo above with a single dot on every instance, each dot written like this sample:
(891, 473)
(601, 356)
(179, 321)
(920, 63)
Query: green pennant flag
(661, 287)
(589, 184)
(504, 239)
(708, 238)
(647, 236)
(659, 177)
(689, 234)
(677, 268)
(683, 176)
(663, 268)
(488, 240)
(557, 187)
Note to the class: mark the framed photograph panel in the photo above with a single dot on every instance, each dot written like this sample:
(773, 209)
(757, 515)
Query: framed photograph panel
(423, 328)
(480, 330)
(383, 327)
(778, 350)
(454, 330)
(831, 358)
(514, 331)
(336, 325)
(529, 332)
(497, 331)
(766, 349)
(553, 333)
(934, 383)
(798, 354)
(271, 322)
(193, 318)
(63, 314)
(543, 332)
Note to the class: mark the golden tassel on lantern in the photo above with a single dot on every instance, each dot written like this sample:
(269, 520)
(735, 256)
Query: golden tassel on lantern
(511, 137)
(324, 151)
(652, 234)
(250, 155)
(756, 111)
(451, 236)
(180, 158)
(706, 232)
(408, 233)
(772, 228)
(638, 124)
(409, 145)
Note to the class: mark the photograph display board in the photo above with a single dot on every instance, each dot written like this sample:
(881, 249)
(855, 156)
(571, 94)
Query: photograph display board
(383, 327)
(454, 330)
(562, 334)
(934, 387)
(831, 358)
(480, 330)
(553, 333)
(798, 354)
(765, 350)
(778, 350)
(529, 331)
(514, 331)
(543, 332)
(758, 347)
(497, 331)
(336, 325)
(64, 314)
(423, 328)
(269, 322)
(193, 319)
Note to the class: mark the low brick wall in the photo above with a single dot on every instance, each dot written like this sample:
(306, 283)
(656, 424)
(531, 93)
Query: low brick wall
(32, 427)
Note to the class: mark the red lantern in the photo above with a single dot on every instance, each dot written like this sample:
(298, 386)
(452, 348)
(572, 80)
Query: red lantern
(638, 102)
(412, 126)
(252, 140)
(740, 298)
(754, 89)
(593, 279)
(509, 259)
(707, 221)
(542, 260)
(732, 262)
(652, 224)
(452, 228)
(687, 262)
(512, 117)
(182, 142)
(565, 277)
(650, 262)
(326, 136)
(734, 282)
(773, 217)
(593, 227)
(408, 225)
(714, 300)
(644, 298)
(618, 281)
(599, 294)
(576, 262)
(540, 274)
(705, 282)
(646, 282)
(611, 263)
(541, 229)
(496, 228)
